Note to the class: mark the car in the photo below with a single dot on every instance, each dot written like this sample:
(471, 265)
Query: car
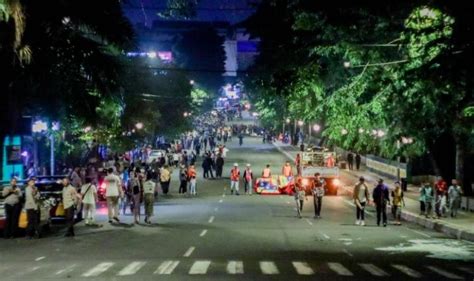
(155, 155)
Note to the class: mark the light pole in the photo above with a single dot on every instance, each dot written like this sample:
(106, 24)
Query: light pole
(54, 128)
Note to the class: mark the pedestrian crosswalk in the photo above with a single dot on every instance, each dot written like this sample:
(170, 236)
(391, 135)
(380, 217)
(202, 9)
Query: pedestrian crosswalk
(110, 269)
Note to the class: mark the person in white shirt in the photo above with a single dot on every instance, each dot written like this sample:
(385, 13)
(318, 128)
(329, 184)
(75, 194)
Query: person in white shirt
(112, 193)
(70, 201)
(149, 194)
(361, 198)
(89, 200)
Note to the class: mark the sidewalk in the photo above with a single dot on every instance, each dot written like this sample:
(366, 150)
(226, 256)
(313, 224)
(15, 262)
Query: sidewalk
(461, 227)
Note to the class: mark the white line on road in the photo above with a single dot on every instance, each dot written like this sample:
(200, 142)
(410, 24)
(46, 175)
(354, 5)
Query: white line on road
(189, 252)
(444, 273)
(98, 269)
(211, 219)
(166, 267)
(66, 270)
(420, 233)
(132, 268)
(372, 269)
(309, 222)
(467, 269)
(347, 253)
(200, 267)
(269, 268)
(339, 269)
(220, 201)
(325, 235)
(40, 258)
(302, 268)
(408, 271)
(235, 267)
(203, 232)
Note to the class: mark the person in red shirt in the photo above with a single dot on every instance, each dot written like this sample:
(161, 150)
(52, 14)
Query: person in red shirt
(441, 188)
(234, 179)
(330, 162)
(287, 171)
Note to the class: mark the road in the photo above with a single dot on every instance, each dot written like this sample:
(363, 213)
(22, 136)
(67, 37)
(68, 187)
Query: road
(218, 236)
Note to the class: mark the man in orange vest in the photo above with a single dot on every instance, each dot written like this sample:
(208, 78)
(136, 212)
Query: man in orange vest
(330, 162)
(234, 179)
(192, 179)
(267, 173)
(287, 171)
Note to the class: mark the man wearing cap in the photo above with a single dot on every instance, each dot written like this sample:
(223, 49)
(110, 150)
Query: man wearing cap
(381, 199)
(361, 197)
(234, 179)
(248, 178)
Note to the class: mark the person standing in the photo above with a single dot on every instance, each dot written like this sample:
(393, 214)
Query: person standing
(76, 178)
(241, 139)
(428, 193)
(248, 179)
(183, 180)
(300, 196)
(441, 188)
(318, 194)
(266, 173)
(89, 200)
(165, 179)
(381, 199)
(112, 193)
(192, 180)
(397, 203)
(454, 195)
(219, 165)
(70, 200)
(149, 196)
(32, 197)
(358, 159)
(234, 179)
(286, 170)
(361, 198)
(298, 164)
(136, 194)
(11, 195)
(421, 199)
(350, 160)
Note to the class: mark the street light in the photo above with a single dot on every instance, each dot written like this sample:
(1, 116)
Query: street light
(380, 133)
(347, 64)
(191, 82)
(316, 127)
(300, 123)
(87, 129)
(151, 55)
(361, 131)
(288, 120)
(139, 125)
(344, 131)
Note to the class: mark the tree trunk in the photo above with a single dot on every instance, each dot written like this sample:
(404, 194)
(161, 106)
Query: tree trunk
(460, 156)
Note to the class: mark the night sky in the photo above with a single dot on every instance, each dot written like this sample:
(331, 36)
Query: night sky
(232, 11)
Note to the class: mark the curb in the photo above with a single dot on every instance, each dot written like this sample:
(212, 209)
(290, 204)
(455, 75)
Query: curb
(439, 226)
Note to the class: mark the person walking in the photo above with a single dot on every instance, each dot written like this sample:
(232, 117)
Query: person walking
(219, 165)
(300, 196)
(234, 179)
(248, 179)
(454, 195)
(165, 179)
(441, 189)
(192, 180)
(398, 202)
(421, 199)
(350, 160)
(183, 180)
(428, 193)
(136, 194)
(11, 195)
(32, 197)
(241, 139)
(71, 201)
(318, 194)
(361, 199)
(149, 196)
(358, 159)
(89, 200)
(112, 194)
(298, 164)
(381, 198)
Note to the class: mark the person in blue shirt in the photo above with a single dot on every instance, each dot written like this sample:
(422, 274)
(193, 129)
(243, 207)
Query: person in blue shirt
(381, 199)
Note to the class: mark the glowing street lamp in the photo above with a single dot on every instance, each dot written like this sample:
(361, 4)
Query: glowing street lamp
(344, 131)
(39, 126)
(151, 55)
(300, 123)
(191, 82)
(316, 127)
(380, 133)
(347, 64)
(288, 120)
(87, 129)
(139, 125)
(361, 131)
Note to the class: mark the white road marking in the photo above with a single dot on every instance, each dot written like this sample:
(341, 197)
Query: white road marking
(98, 269)
(420, 233)
(408, 271)
(220, 201)
(372, 269)
(339, 269)
(269, 268)
(200, 267)
(466, 269)
(166, 267)
(326, 236)
(308, 221)
(235, 267)
(302, 268)
(40, 258)
(347, 252)
(132, 268)
(66, 270)
(444, 273)
(211, 219)
(203, 233)
(189, 252)
(347, 243)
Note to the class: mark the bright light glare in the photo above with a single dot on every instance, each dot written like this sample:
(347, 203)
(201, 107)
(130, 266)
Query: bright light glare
(151, 55)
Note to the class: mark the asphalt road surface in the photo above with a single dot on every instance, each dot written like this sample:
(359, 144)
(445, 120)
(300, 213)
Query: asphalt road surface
(218, 236)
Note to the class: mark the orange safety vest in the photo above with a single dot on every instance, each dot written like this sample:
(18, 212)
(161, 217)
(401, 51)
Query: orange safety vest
(234, 174)
(330, 162)
(191, 173)
(266, 173)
